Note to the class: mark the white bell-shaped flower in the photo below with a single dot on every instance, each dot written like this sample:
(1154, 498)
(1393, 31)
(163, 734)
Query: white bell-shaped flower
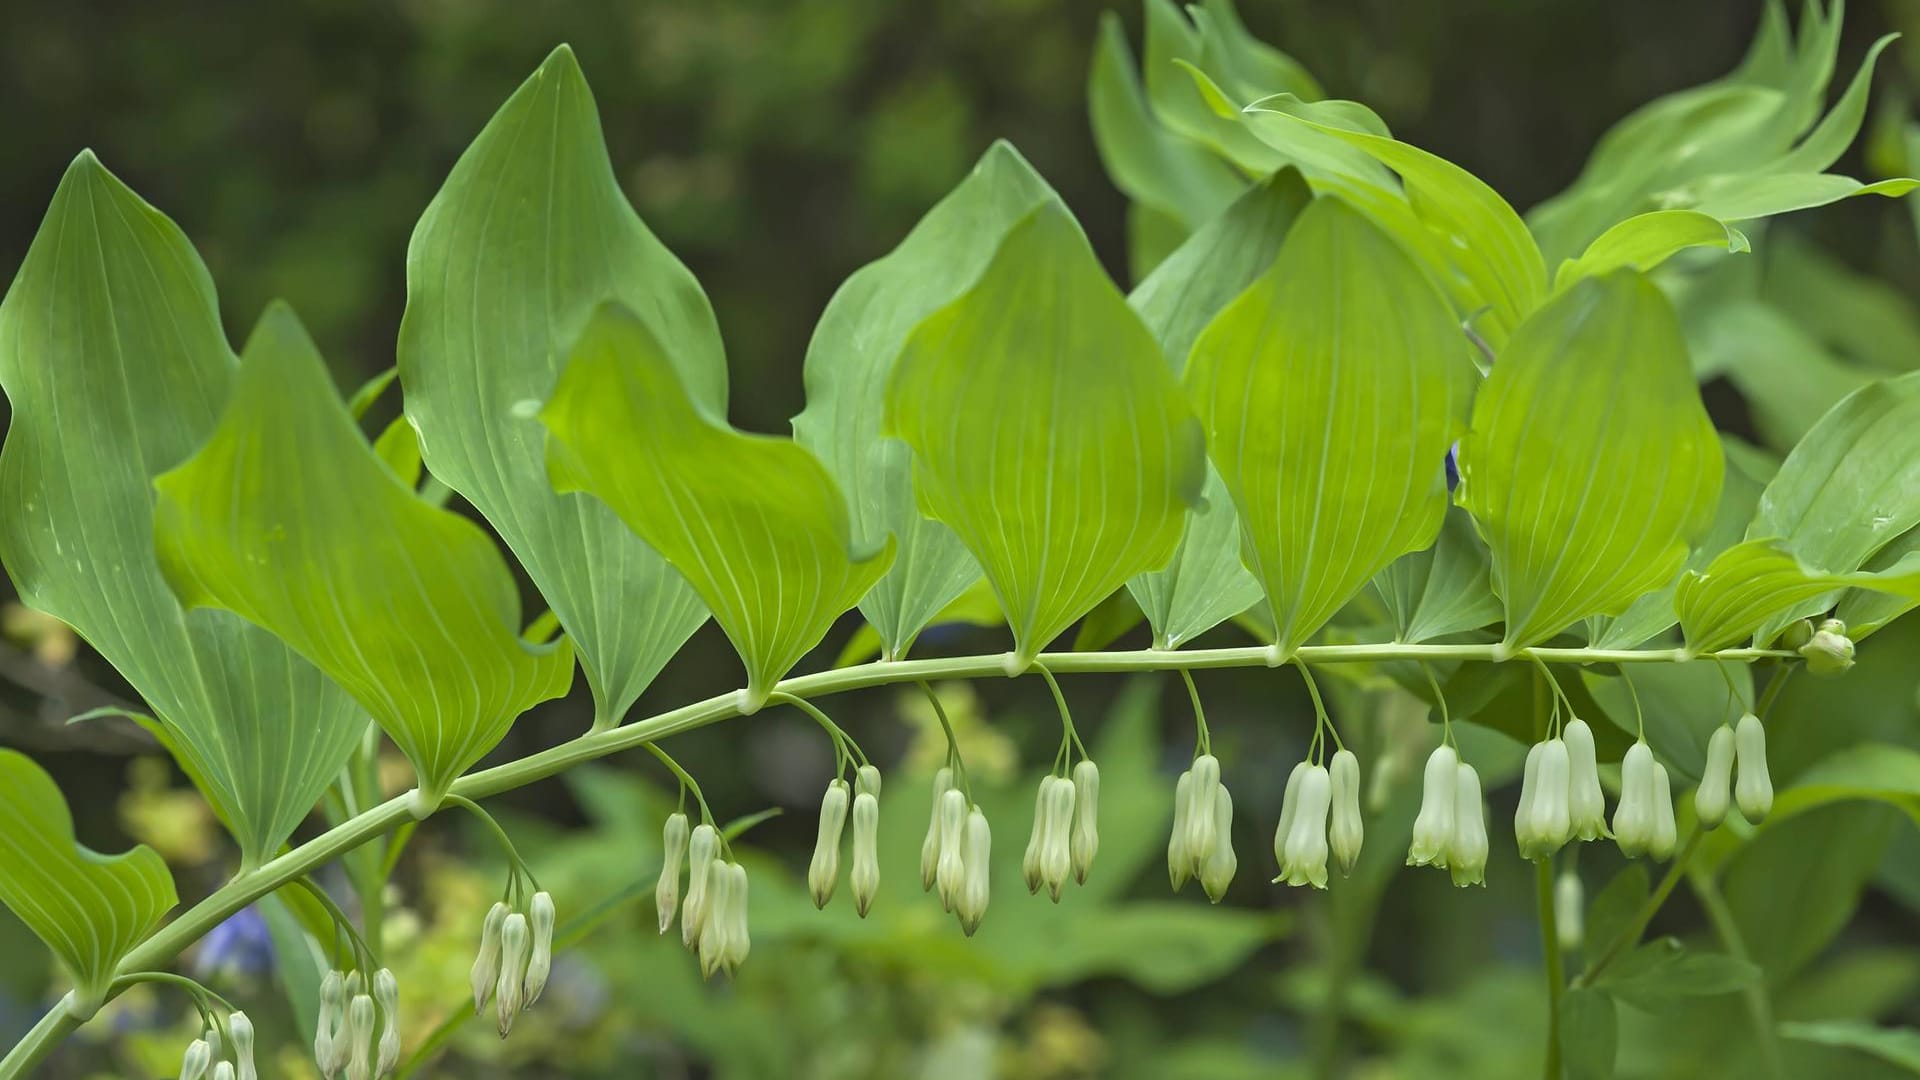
(1056, 854)
(1179, 857)
(1289, 809)
(703, 850)
(1433, 827)
(360, 1015)
(1467, 847)
(540, 918)
(1345, 829)
(717, 928)
(1569, 910)
(486, 963)
(386, 994)
(241, 1028)
(739, 942)
(223, 1070)
(1586, 806)
(1715, 793)
(509, 995)
(1633, 819)
(1084, 842)
(930, 847)
(977, 843)
(333, 1011)
(1544, 821)
(1200, 813)
(864, 877)
(1304, 860)
(1217, 869)
(1753, 787)
(1666, 834)
(1037, 839)
(673, 848)
(951, 872)
(823, 870)
(867, 778)
(194, 1064)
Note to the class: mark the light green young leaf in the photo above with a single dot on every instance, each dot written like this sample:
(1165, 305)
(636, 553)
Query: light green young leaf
(1292, 382)
(754, 523)
(90, 909)
(1749, 585)
(113, 358)
(286, 517)
(530, 233)
(1592, 464)
(399, 448)
(1048, 431)
(1644, 241)
(853, 352)
(1742, 198)
(1443, 589)
(1148, 163)
(1206, 583)
(1836, 131)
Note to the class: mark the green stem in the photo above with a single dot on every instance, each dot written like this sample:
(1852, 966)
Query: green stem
(1556, 968)
(1646, 913)
(514, 862)
(959, 764)
(687, 782)
(1754, 996)
(1060, 702)
(840, 737)
(375, 821)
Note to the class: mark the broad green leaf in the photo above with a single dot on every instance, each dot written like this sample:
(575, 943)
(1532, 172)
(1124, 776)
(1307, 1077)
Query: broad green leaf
(1788, 379)
(1653, 614)
(1206, 584)
(1895, 1046)
(1591, 464)
(1875, 771)
(1292, 382)
(1828, 856)
(1866, 610)
(528, 236)
(1443, 589)
(90, 909)
(1645, 241)
(1748, 586)
(1849, 488)
(1742, 198)
(399, 448)
(1148, 163)
(1108, 622)
(852, 353)
(754, 523)
(286, 517)
(1589, 1033)
(113, 358)
(1048, 431)
(1611, 914)
(1653, 976)
(975, 607)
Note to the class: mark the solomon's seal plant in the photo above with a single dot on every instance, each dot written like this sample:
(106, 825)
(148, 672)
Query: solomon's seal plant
(1355, 414)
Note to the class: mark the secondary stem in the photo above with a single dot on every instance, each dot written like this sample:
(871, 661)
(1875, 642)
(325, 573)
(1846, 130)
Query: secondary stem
(1556, 970)
(250, 885)
(1647, 910)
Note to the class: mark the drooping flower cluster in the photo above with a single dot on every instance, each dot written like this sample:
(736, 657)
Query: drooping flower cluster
(1743, 745)
(1202, 842)
(1560, 797)
(956, 857)
(352, 1009)
(204, 1057)
(1643, 822)
(1066, 830)
(515, 959)
(1450, 831)
(713, 917)
(824, 871)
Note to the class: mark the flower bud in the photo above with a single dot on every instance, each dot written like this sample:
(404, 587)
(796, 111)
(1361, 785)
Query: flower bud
(824, 871)
(865, 876)
(1346, 830)
(867, 778)
(1200, 815)
(738, 942)
(1467, 848)
(194, 1065)
(702, 846)
(223, 1070)
(1665, 834)
(1179, 858)
(1037, 839)
(212, 1034)
(1716, 779)
(1304, 859)
(241, 1029)
(516, 938)
(1831, 651)
(1752, 788)
(673, 847)
(1433, 827)
(386, 994)
(1544, 821)
(360, 1038)
(1217, 869)
(1085, 839)
(971, 903)
(718, 925)
(1633, 826)
(333, 998)
(1289, 809)
(1056, 856)
(930, 848)
(1797, 634)
(486, 965)
(951, 873)
(1569, 911)
(540, 961)
(1586, 806)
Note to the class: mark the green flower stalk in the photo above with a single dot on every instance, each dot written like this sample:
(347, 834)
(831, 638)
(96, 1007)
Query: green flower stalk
(1433, 827)
(930, 847)
(1711, 798)
(823, 871)
(1753, 789)
(486, 964)
(516, 939)
(673, 848)
(1467, 847)
(1346, 830)
(864, 876)
(1085, 841)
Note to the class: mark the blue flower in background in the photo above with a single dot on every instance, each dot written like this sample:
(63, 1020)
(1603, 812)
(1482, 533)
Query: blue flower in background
(1453, 467)
(239, 946)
